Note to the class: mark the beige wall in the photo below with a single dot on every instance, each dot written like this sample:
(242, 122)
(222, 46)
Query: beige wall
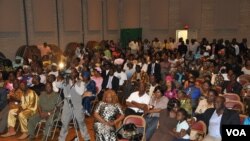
(157, 18)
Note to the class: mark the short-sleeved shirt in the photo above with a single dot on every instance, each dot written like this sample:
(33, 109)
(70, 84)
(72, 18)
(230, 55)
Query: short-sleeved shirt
(182, 125)
(121, 76)
(144, 99)
(47, 102)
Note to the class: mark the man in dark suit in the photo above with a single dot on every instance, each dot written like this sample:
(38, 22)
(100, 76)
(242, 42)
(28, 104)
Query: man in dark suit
(109, 82)
(154, 69)
(215, 117)
(105, 72)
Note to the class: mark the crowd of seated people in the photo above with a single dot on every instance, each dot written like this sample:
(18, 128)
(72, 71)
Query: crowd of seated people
(172, 84)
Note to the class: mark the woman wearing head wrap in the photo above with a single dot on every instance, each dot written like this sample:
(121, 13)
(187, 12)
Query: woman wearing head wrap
(170, 87)
(90, 93)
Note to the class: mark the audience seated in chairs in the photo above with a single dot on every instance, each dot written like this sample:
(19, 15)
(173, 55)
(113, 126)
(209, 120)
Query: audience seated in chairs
(47, 102)
(28, 107)
(218, 56)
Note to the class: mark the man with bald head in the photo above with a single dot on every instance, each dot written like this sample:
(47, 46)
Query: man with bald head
(217, 116)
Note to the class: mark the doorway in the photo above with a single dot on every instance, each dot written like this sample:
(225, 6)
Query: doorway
(181, 34)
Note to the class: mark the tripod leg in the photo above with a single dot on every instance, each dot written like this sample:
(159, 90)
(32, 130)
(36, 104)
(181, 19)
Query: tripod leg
(65, 118)
(81, 123)
(73, 112)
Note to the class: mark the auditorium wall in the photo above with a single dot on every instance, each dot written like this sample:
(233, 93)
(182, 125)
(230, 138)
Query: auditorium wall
(79, 20)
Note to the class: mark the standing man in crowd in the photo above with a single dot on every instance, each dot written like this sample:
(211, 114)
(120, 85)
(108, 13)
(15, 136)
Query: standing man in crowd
(73, 91)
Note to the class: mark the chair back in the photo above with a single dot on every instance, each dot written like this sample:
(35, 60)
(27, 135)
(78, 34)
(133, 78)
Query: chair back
(232, 96)
(198, 131)
(139, 122)
(235, 105)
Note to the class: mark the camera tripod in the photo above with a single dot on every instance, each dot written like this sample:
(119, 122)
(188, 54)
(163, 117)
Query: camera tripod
(71, 106)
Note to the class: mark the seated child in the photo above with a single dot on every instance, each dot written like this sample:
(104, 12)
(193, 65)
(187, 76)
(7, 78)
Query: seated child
(182, 127)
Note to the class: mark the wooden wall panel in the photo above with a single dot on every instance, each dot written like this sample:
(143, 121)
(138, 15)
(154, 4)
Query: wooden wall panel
(190, 13)
(44, 12)
(131, 13)
(94, 14)
(159, 14)
(72, 15)
(113, 14)
(10, 15)
(227, 14)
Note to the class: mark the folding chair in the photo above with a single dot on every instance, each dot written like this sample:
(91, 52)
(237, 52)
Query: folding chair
(235, 105)
(139, 122)
(198, 131)
(232, 96)
(55, 124)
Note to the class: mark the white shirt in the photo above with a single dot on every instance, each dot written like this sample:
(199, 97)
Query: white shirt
(144, 99)
(79, 87)
(109, 85)
(43, 78)
(144, 67)
(214, 125)
(237, 49)
(182, 125)
(55, 88)
(245, 71)
(121, 76)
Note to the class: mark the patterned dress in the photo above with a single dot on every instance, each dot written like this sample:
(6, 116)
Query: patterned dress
(109, 113)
